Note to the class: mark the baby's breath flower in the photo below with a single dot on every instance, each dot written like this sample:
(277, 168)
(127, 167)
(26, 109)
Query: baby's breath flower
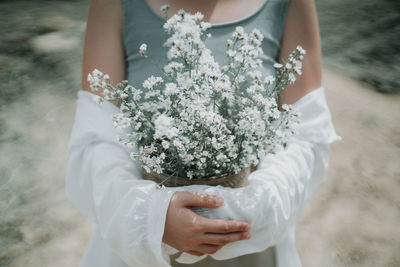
(301, 50)
(269, 79)
(231, 53)
(198, 16)
(165, 8)
(164, 127)
(204, 119)
(165, 144)
(150, 82)
(205, 25)
(239, 30)
(170, 89)
(143, 49)
(97, 73)
(297, 67)
(292, 77)
(98, 99)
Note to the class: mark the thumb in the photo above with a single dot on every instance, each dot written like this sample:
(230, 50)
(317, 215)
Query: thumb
(201, 200)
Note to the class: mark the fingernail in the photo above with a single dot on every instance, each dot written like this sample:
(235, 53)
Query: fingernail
(219, 201)
(247, 236)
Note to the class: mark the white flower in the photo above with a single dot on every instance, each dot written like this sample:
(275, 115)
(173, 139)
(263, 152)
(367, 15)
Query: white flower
(205, 25)
(170, 89)
(164, 8)
(292, 77)
(143, 49)
(150, 82)
(164, 127)
(285, 107)
(96, 72)
(255, 75)
(98, 99)
(125, 122)
(269, 79)
(198, 16)
(297, 66)
(239, 30)
(165, 144)
(178, 144)
(146, 168)
(231, 53)
(216, 119)
(189, 174)
(238, 58)
(240, 79)
(301, 50)
(257, 34)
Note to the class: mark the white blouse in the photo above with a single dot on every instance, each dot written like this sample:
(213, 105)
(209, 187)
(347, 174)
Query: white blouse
(129, 213)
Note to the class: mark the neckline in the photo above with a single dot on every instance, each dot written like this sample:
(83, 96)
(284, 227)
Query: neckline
(213, 25)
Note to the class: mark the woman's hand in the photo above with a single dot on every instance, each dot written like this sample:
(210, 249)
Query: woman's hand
(197, 235)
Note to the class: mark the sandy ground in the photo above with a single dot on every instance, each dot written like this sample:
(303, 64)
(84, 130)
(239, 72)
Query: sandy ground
(352, 219)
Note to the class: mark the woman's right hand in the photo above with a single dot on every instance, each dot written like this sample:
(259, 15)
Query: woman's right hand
(197, 235)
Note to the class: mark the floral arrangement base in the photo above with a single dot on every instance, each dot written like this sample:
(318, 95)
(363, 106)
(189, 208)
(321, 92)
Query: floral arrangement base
(234, 180)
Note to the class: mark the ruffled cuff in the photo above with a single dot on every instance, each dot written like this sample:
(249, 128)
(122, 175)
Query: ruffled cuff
(107, 187)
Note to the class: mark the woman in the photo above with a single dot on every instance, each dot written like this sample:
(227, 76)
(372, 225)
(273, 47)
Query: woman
(130, 215)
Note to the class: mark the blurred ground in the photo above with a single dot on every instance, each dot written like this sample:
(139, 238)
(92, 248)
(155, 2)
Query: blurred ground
(352, 220)
(362, 38)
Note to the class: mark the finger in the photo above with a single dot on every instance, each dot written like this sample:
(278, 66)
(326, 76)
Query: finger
(201, 200)
(223, 239)
(207, 248)
(222, 226)
(196, 253)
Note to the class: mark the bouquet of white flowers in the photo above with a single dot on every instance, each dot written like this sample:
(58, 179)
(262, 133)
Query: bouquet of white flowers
(201, 122)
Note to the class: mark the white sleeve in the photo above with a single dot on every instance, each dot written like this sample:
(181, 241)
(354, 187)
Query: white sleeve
(106, 186)
(280, 186)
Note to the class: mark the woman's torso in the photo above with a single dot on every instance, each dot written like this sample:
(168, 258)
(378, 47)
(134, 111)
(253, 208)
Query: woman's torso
(142, 24)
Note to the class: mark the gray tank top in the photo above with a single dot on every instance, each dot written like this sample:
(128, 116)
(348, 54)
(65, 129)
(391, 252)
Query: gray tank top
(143, 25)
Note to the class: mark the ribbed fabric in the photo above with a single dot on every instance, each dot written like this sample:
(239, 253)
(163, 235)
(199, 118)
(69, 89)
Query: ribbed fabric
(143, 25)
